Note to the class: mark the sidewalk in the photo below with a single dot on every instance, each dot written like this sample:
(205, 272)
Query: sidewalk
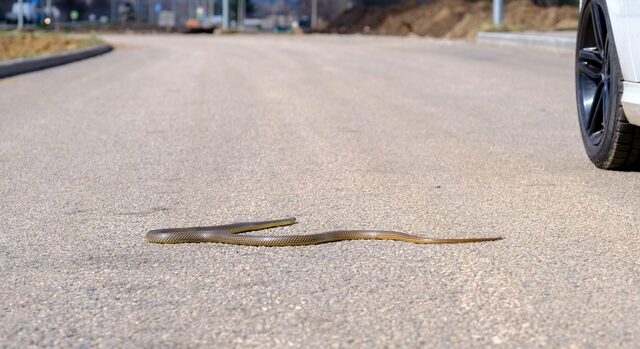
(565, 40)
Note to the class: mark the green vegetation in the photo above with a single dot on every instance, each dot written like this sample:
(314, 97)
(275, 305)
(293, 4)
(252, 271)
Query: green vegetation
(20, 45)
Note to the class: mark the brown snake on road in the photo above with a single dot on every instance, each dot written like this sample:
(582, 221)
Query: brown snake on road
(226, 234)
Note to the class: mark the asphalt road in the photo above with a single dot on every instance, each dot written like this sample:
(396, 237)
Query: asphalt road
(437, 138)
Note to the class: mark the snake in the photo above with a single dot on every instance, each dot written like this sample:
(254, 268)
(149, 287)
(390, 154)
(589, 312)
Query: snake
(230, 234)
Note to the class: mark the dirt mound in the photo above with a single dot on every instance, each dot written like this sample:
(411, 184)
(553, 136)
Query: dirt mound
(450, 18)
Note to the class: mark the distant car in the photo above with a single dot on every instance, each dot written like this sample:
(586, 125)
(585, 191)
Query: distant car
(608, 81)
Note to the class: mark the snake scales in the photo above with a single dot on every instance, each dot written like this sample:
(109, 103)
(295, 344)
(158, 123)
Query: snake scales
(227, 234)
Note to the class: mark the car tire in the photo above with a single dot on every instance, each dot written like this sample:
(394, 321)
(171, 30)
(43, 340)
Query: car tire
(609, 140)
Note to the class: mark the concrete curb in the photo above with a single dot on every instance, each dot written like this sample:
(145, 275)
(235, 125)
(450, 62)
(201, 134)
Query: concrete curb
(21, 66)
(531, 39)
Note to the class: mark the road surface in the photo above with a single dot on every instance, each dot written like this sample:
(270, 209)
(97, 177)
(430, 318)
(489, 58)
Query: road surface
(442, 139)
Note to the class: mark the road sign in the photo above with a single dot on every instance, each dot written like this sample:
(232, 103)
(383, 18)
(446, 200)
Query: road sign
(167, 19)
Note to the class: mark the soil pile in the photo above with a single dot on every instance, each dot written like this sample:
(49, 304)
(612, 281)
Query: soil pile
(451, 18)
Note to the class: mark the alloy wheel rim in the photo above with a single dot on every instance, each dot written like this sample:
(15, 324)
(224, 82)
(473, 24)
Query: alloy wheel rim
(594, 73)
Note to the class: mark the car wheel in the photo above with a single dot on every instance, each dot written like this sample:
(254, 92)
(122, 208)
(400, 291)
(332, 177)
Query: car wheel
(609, 140)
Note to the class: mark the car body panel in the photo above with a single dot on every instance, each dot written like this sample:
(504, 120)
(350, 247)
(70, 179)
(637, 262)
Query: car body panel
(625, 22)
(631, 102)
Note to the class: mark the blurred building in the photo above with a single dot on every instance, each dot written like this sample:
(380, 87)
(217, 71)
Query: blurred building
(140, 11)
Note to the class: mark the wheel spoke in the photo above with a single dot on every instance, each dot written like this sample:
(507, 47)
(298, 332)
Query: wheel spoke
(599, 31)
(594, 116)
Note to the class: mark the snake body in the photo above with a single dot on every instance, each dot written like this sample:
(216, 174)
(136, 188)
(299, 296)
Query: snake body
(227, 234)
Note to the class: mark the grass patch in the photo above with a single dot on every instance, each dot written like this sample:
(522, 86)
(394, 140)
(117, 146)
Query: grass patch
(21, 45)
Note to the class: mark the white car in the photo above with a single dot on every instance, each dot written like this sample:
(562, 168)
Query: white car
(608, 81)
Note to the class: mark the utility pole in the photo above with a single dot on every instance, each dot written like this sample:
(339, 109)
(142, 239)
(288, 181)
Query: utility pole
(241, 13)
(113, 11)
(498, 10)
(20, 15)
(150, 12)
(225, 14)
(138, 8)
(314, 13)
